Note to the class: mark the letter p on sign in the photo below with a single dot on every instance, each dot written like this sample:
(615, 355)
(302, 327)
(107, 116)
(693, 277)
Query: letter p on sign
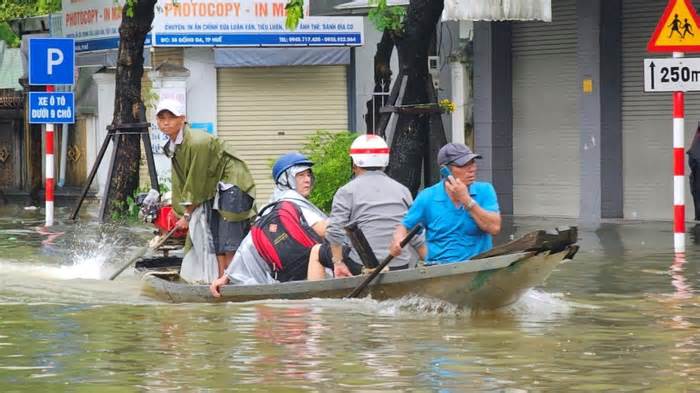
(55, 58)
(51, 61)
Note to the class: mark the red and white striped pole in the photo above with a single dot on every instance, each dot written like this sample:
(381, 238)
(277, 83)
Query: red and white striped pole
(49, 186)
(678, 168)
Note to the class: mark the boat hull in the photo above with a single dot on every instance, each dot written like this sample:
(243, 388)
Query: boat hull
(479, 284)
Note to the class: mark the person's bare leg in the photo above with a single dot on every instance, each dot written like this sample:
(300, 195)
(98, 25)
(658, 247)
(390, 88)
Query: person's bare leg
(224, 260)
(315, 270)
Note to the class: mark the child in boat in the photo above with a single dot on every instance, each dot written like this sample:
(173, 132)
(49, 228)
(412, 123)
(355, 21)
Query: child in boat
(294, 181)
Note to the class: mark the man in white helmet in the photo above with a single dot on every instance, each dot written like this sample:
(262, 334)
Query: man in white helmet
(373, 200)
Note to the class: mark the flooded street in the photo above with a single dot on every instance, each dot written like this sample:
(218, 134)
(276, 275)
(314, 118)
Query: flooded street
(624, 315)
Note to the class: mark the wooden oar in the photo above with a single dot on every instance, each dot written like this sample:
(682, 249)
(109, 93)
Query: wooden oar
(382, 265)
(142, 252)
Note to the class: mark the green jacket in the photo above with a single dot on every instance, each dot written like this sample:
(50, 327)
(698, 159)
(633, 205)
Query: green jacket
(199, 164)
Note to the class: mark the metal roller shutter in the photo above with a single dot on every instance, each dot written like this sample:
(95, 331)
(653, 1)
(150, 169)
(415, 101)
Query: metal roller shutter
(545, 115)
(265, 112)
(647, 127)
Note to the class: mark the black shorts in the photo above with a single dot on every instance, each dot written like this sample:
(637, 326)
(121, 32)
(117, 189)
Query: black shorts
(295, 270)
(226, 235)
(355, 268)
(326, 258)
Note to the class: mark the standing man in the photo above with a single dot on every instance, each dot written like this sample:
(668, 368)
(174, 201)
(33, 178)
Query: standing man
(459, 214)
(374, 201)
(212, 191)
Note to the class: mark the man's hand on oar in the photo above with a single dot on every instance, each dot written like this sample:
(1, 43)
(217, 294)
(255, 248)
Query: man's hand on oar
(384, 263)
(340, 269)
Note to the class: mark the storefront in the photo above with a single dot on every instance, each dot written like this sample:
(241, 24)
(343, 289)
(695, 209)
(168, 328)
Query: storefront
(240, 74)
(586, 140)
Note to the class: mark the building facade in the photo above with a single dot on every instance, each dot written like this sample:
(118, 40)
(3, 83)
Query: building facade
(562, 117)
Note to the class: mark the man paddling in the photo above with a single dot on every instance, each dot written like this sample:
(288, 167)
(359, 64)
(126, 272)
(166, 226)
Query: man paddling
(212, 193)
(459, 214)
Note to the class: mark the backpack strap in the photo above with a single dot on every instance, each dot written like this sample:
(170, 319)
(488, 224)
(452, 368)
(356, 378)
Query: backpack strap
(292, 218)
(267, 207)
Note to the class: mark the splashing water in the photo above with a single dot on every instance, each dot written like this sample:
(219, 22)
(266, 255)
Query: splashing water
(87, 257)
(85, 270)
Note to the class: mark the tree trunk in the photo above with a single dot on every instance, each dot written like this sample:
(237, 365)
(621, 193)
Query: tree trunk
(128, 105)
(382, 81)
(417, 136)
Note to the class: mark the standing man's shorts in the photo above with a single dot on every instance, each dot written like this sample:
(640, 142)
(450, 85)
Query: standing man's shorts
(226, 235)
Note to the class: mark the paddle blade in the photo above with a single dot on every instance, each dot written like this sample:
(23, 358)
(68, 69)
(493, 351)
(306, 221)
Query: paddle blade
(133, 259)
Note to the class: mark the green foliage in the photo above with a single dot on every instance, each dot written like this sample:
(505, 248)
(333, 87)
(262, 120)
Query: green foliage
(383, 16)
(150, 97)
(122, 211)
(129, 211)
(17, 9)
(295, 13)
(162, 186)
(332, 166)
(7, 35)
(130, 4)
(386, 17)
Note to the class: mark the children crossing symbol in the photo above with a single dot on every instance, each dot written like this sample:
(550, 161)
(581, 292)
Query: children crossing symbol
(675, 31)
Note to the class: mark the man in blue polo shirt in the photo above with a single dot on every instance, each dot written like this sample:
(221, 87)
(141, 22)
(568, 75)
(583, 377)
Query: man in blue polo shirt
(459, 214)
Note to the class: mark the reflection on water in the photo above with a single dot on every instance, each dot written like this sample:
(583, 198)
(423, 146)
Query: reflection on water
(623, 316)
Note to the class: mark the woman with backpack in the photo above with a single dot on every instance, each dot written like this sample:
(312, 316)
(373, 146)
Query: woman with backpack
(284, 241)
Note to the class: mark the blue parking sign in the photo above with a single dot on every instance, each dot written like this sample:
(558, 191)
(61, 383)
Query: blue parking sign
(51, 61)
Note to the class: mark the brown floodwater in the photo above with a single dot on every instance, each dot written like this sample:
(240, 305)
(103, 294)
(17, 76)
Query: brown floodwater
(623, 316)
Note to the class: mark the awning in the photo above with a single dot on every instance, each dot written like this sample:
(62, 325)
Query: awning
(271, 57)
(495, 10)
(486, 10)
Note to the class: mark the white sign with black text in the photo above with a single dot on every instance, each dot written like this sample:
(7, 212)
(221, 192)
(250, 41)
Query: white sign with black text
(672, 74)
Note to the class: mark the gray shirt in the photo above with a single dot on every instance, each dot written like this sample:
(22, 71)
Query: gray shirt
(377, 203)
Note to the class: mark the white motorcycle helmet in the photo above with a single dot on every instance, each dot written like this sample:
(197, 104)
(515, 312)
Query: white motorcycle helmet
(369, 151)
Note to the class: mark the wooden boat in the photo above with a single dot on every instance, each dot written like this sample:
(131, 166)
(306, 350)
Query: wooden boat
(491, 280)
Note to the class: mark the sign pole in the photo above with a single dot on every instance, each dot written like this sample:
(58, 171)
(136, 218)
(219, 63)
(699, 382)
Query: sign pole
(49, 186)
(678, 168)
(675, 33)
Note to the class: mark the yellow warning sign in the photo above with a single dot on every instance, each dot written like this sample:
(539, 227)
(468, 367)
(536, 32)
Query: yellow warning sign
(677, 30)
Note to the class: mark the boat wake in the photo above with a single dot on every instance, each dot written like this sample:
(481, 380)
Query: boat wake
(415, 305)
(539, 302)
(535, 305)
